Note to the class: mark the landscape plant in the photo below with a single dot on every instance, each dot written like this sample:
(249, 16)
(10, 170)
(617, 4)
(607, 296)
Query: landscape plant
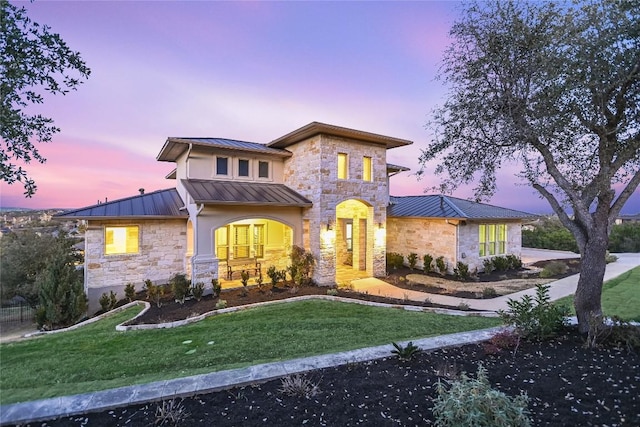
(302, 264)
(154, 292)
(180, 287)
(500, 263)
(565, 108)
(487, 263)
(473, 402)
(412, 259)
(427, 261)
(553, 268)
(108, 301)
(441, 264)
(130, 291)
(198, 290)
(514, 262)
(461, 271)
(244, 279)
(274, 275)
(394, 260)
(536, 318)
(405, 352)
(216, 288)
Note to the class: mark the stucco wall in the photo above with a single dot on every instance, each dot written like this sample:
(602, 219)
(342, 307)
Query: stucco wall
(162, 245)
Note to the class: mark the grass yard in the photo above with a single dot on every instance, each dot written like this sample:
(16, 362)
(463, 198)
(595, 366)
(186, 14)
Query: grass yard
(96, 357)
(620, 296)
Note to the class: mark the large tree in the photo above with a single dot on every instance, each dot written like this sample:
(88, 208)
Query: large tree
(554, 88)
(32, 60)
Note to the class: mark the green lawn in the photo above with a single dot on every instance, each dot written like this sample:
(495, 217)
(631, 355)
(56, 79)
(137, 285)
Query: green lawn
(96, 357)
(620, 296)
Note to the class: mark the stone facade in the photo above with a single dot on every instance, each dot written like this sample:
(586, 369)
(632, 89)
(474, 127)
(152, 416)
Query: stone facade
(438, 237)
(162, 249)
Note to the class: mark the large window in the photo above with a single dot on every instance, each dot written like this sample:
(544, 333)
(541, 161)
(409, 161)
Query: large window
(343, 166)
(263, 169)
(222, 166)
(243, 167)
(222, 243)
(492, 239)
(366, 169)
(241, 241)
(121, 240)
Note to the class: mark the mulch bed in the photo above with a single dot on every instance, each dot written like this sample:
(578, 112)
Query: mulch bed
(567, 384)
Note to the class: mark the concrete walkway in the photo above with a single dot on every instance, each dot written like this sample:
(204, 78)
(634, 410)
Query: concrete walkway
(45, 409)
(558, 289)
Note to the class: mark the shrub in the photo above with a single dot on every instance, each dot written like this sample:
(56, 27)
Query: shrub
(426, 263)
(473, 402)
(616, 332)
(244, 279)
(332, 292)
(198, 290)
(412, 259)
(104, 302)
(259, 280)
(61, 293)
(463, 306)
(221, 304)
(303, 262)
(441, 264)
(171, 413)
(500, 263)
(130, 291)
(407, 352)
(554, 268)
(505, 340)
(536, 318)
(394, 260)
(461, 271)
(216, 288)
(515, 263)
(488, 265)
(154, 292)
(610, 258)
(180, 287)
(489, 292)
(274, 275)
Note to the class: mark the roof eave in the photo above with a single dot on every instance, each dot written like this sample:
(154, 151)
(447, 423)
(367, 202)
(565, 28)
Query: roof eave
(236, 203)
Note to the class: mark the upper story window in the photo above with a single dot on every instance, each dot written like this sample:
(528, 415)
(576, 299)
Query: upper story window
(222, 166)
(263, 169)
(492, 239)
(343, 166)
(366, 169)
(121, 240)
(243, 167)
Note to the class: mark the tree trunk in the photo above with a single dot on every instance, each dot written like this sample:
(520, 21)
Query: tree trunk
(588, 295)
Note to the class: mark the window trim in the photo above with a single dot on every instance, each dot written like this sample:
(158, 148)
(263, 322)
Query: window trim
(217, 173)
(243, 159)
(345, 175)
(367, 169)
(268, 163)
(127, 226)
(489, 243)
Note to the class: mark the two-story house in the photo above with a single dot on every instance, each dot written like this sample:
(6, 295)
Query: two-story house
(239, 204)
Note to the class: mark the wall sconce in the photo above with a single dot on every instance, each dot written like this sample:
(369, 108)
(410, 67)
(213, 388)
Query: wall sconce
(329, 225)
(380, 225)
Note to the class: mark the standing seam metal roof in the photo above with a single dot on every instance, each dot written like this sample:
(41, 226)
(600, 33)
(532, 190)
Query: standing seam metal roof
(439, 206)
(243, 193)
(174, 147)
(158, 204)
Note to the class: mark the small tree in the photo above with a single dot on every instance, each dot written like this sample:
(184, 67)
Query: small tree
(62, 298)
(180, 287)
(302, 263)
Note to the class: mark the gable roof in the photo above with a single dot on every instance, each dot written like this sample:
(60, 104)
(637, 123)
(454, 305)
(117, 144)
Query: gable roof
(243, 193)
(315, 128)
(440, 206)
(174, 147)
(158, 204)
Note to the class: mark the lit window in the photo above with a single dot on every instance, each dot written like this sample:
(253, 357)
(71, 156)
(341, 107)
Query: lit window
(243, 167)
(241, 241)
(348, 235)
(263, 169)
(492, 239)
(121, 240)
(222, 166)
(366, 169)
(258, 240)
(222, 243)
(343, 166)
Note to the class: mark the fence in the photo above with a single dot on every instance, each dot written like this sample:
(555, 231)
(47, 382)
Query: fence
(16, 312)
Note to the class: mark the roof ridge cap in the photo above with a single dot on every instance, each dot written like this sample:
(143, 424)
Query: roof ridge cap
(453, 206)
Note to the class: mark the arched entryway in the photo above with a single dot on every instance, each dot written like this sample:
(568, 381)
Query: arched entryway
(354, 240)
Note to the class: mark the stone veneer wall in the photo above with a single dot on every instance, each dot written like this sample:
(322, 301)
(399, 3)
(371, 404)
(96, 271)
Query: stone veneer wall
(312, 171)
(422, 236)
(163, 244)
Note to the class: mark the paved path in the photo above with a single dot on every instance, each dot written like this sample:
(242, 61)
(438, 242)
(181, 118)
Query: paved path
(558, 289)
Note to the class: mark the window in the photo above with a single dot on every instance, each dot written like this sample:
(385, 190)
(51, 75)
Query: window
(258, 240)
(366, 168)
(348, 235)
(343, 166)
(243, 167)
(121, 240)
(263, 169)
(222, 166)
(492, 239)
(222, 243)
(241, 241)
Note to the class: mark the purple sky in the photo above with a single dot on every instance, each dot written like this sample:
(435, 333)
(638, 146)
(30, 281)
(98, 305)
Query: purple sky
(251, 71)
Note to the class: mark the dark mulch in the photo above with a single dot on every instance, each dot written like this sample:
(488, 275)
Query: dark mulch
(567, 384)
(170, 310)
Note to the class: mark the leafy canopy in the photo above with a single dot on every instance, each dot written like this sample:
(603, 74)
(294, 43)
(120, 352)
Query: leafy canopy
(554, 88)
(32, 60)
